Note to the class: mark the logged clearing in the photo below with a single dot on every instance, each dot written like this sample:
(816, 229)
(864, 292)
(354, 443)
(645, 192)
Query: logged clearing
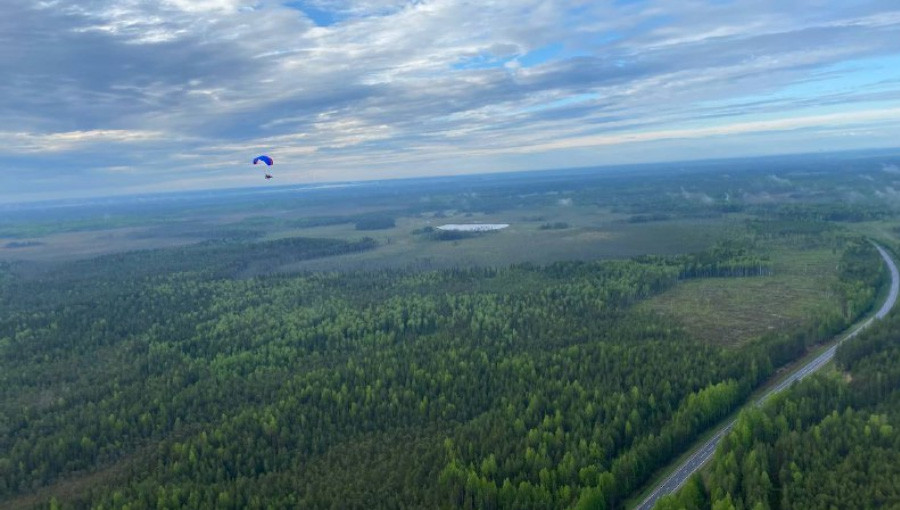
(734, 310)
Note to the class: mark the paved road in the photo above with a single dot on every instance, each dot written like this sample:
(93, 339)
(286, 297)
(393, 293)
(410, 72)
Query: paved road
(705, 452)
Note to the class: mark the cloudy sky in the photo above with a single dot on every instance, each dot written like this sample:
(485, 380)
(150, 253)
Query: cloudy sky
(128, 96)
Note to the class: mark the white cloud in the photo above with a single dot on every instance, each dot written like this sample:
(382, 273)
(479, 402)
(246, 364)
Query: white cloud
(205, 6)
(783, 124)
(696, 196)
(54, 142)
(437, 85)
(888, 192)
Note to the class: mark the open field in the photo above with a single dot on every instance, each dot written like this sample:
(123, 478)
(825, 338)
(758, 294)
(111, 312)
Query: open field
(887, 232)
(589, 233)
(731, 311)
(521, 242)
(78, 245)
(571, 214)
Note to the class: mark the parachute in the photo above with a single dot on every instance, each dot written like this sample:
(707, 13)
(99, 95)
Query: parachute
(265, 159)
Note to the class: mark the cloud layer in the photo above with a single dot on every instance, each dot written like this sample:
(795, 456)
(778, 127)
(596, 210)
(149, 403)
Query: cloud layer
(114, 96)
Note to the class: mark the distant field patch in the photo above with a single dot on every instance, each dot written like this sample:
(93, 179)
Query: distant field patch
(591, 235)
(86, 244)
(734, 310)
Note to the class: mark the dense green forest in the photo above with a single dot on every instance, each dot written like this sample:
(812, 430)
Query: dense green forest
(831, 441)
(176, 378)
(328, 349)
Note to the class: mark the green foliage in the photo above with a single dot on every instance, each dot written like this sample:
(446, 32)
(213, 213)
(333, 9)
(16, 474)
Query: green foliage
(692, 496)
(826, 443)
(5, 272)
(453, 235)
(556, 225)
(832, 212)
(155, 379)
(725, 259)
(220, 258)
(364, 221)
(375, 222)
(861, 277)
(37, 228)
(728, 259)
(646, 218)
(790, 227)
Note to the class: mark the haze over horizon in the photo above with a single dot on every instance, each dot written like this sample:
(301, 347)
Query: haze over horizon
(133, 96)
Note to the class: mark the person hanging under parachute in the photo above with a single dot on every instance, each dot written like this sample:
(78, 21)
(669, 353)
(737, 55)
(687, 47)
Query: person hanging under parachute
(267, 160)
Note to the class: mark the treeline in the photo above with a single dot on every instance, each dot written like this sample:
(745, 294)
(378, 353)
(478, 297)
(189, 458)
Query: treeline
(831, 441)
(527, 386)
(862, 275)
(791, 227)
(647, 218)
(375, 222)
(725, 259)
(759, 359)
(242, 232)
(362, 221)
(829, 211)
(438, 234)
(215, 258)
(556, 225)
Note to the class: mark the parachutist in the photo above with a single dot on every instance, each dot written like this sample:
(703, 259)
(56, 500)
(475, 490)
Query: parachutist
(267, 161)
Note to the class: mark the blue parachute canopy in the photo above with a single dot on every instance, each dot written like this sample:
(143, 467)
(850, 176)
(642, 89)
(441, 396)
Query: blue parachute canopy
(265, 159)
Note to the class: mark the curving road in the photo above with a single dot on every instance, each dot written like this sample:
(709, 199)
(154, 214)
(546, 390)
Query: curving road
(705, 452)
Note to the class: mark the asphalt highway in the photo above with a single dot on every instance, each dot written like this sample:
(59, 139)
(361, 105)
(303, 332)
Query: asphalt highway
(705, 452)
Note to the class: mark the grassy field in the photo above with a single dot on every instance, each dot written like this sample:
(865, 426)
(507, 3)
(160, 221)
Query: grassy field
(887, 232)
(86, 244)
(591, 234)
(733, 310)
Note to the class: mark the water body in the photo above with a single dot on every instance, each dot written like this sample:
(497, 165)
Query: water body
(473, 227)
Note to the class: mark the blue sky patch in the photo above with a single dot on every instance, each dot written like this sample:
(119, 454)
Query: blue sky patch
(320, 17)
(483, 61)
(541, 55)
(392, 83)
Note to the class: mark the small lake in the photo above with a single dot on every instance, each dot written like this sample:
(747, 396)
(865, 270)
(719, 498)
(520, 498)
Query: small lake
(474, 227)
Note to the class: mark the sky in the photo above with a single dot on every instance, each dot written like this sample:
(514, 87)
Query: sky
(103, 97)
